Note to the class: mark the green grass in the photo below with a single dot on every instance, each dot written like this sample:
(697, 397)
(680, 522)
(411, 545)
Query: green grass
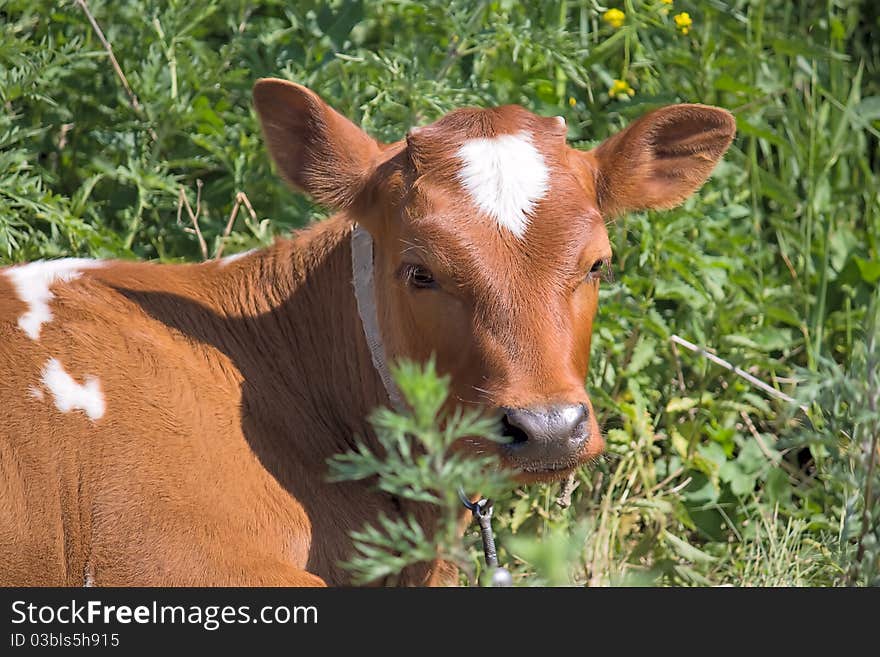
(774, 265)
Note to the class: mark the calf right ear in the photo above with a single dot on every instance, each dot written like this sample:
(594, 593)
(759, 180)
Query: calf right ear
(316, 149)
(661, 159)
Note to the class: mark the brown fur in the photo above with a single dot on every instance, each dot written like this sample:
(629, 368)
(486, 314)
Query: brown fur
(228, 386)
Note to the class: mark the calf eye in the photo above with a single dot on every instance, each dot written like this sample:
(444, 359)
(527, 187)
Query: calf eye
(419, 277)
(599, 270)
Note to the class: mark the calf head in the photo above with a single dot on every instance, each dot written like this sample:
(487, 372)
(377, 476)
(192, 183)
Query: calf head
(490, 242)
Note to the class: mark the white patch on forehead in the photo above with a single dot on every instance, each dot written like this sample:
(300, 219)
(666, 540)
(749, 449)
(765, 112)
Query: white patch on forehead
(505, 176)
(70, 395)
(33, 283)
(228, 260)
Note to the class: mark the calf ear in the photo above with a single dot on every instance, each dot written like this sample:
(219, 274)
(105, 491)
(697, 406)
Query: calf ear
(316, 149)
(661, 159)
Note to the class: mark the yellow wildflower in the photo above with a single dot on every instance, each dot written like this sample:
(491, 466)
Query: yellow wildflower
(614, 17)
(572, 101)
(666, 2)
(683, 22)
(621, 88)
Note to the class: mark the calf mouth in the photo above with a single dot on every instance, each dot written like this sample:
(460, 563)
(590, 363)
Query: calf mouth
(531, 471)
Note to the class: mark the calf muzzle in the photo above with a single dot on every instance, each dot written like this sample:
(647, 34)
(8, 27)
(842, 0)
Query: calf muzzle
(546, 437)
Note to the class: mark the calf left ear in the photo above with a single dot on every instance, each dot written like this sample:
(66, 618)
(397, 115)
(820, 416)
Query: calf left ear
(316, 149)
(661, 159)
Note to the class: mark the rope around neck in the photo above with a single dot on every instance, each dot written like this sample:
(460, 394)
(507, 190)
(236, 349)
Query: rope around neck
(365, 295)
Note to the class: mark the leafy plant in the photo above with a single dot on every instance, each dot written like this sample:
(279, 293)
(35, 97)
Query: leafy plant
(846, 448)
(421, 461)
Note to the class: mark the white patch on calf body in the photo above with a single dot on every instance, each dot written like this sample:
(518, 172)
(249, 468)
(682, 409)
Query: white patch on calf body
(35, 392)
(505, 176)
(235, 256)
(33, 283)
(88, 576)
(70, 395)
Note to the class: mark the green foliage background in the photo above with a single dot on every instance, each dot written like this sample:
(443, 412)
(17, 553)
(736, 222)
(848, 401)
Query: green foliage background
(774, 264)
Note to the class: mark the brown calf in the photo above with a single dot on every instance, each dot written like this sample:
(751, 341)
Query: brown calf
(170, 424)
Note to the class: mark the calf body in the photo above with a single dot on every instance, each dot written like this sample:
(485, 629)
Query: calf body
(185, 443)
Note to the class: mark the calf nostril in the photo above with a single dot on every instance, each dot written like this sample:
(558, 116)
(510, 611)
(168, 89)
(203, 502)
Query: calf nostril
(511, 431)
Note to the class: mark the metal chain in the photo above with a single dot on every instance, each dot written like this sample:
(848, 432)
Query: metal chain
(482, 511)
